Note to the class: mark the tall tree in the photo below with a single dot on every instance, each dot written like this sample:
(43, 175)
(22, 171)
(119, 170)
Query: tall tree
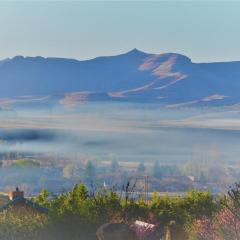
(90, 171)
(114, 165)
(141, 167)
(157, 173)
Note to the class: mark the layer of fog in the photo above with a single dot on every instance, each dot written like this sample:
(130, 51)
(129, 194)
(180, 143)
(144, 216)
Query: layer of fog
(132, 132)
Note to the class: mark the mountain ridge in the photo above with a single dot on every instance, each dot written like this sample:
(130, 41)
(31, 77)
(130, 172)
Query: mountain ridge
(169, 79)
(134, 50)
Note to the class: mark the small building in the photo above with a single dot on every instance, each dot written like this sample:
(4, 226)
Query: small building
(15, 201)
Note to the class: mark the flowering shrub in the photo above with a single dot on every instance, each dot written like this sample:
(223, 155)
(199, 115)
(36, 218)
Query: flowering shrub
(223, 226)
(202, 230)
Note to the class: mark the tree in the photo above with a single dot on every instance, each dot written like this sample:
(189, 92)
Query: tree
(202, 178)
(114, 165)
(141, 167)
(90, 171)
(69, 171)
(157, 173)
(232, 200)
(42, 198)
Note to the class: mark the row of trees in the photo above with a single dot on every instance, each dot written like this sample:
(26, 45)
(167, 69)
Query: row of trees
(157, 170)
(78, 213)
(202, 174)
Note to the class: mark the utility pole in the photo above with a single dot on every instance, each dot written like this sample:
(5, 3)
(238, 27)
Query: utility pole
(146, 186)
(145, 179)
(146, 189)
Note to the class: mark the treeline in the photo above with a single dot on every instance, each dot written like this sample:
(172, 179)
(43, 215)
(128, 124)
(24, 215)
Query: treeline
(78, 213)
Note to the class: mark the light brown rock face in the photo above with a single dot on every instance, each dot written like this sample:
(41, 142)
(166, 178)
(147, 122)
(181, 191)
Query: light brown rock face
(115, 231)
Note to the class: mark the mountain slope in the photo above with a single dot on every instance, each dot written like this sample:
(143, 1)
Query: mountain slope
(169, 78)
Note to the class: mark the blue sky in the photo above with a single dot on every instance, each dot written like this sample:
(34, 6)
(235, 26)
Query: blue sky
(205, 31)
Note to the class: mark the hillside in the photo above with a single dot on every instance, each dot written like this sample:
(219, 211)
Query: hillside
(170, 79)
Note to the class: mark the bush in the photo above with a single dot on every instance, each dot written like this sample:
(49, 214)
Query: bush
(78, 213)
(18, 226)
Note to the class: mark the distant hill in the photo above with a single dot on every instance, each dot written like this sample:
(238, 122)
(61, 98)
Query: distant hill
(135, 76)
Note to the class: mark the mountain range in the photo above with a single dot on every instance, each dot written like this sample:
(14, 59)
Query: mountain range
(170, 79)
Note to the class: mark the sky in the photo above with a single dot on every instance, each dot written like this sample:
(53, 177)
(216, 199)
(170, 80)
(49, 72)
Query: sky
(204, 31)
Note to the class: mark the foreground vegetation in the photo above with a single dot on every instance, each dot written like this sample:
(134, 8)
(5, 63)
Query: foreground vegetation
(77, 215)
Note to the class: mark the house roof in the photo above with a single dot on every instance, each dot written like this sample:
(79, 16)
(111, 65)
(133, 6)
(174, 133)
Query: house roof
(28, 202)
